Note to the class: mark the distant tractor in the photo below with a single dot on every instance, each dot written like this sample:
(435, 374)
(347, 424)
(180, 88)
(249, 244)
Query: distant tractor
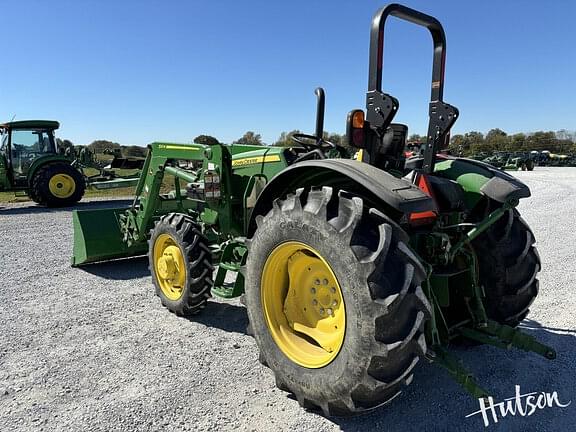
(520, 161)
(510, 161)
(30, 163)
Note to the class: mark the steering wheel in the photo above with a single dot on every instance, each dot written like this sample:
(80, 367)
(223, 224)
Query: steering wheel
(311, 142)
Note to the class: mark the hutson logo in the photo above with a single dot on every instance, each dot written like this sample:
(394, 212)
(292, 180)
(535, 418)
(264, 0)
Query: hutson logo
(521, 404)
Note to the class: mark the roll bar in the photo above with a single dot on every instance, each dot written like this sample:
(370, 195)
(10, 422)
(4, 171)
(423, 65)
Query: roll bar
(381, 107)
(377, 45)
(319, 92)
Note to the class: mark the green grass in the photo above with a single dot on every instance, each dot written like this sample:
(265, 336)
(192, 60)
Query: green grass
(121, 172)
(167, 185)
(9, 197)
(120, 192)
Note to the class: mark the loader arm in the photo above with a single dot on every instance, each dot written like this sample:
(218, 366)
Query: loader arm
(101, 235)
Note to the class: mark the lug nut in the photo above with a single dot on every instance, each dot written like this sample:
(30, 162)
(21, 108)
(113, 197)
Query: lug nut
(314, 302)
(325, 281)
(317, 282)
(334, 302)
(329, 311)
(321, 311)
(313, 290)
(333, 289)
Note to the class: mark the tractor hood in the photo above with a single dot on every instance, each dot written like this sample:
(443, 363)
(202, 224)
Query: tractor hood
(265, 154)
(266, 160)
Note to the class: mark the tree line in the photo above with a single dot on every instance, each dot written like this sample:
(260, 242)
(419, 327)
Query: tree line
(473, 142)
(562, 141)
(496, 139)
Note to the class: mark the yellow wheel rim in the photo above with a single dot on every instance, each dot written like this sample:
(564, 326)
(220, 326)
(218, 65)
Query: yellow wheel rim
(303, 305)
(62, 185)
(169, 267)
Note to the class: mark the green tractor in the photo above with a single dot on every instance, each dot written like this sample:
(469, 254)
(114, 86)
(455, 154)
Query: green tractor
(352, 271)
(520, 161)
(30, 163)
(498, 159)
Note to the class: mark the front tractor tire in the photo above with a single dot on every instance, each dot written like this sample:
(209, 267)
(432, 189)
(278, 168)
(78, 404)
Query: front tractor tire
(57, 185)
(181, 264)
(509, 264)
(334, 301)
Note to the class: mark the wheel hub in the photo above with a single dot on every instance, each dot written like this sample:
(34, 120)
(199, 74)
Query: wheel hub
(303, 305)
(169, 267)
(62, 185)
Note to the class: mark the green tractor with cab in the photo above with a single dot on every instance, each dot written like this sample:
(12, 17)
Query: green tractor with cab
(352, 271)
(30, 163)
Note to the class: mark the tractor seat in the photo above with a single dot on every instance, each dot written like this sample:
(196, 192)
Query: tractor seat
(448, 193)
(394, 141)
(391, 149)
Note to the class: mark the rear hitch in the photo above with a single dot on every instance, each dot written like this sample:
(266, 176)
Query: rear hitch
(506, 337)
(457, 371)
(499, 335)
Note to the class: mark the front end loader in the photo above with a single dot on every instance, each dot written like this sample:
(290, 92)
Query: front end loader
(352, 271)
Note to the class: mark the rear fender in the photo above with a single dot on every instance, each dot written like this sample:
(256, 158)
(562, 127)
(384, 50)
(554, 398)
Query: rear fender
(42, 161)
(395, 195)
(479, 179)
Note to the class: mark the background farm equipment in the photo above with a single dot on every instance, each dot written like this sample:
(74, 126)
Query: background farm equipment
(520, 161)
(510, 161)
(352, 270)
(31, 163)
(115, 171)
(546, 158)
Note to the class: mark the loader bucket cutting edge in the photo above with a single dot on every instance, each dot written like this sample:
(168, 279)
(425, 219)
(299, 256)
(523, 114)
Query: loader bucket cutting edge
(97, 237)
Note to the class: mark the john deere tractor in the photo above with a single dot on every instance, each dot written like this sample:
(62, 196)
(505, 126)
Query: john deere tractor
(30, 163)
(352, 271)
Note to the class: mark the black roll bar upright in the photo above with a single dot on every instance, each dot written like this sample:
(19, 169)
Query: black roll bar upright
(381, 107)
(319, 92)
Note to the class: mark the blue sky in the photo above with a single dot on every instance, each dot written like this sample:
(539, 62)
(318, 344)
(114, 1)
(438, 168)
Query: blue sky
(140, 71)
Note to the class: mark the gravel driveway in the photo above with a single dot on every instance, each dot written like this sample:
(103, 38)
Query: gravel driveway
(92, 349)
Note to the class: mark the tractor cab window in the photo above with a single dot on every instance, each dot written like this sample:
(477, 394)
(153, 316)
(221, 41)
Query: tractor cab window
(3, 155)
(3, 142)
(28, 145)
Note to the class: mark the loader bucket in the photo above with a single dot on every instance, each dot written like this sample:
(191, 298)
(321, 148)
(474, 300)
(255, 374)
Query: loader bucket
(97, 237)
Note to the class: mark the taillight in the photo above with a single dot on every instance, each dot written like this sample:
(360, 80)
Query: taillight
(355, 129)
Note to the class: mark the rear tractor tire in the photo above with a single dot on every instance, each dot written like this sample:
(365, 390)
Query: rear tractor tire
(334, 301)
(57, 185)
(181, 264)
(509, 264)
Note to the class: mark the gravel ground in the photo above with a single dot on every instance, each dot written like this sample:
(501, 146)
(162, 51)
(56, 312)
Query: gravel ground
(93, 349)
